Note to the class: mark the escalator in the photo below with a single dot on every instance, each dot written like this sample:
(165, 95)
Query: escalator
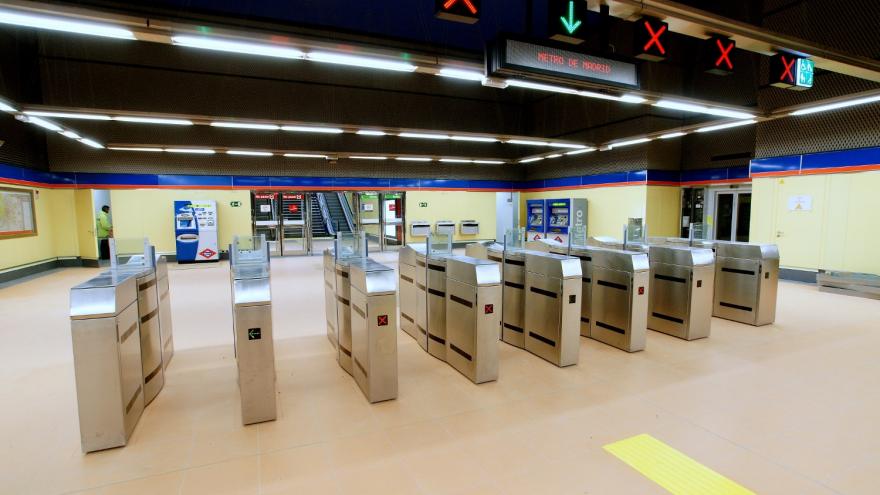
(319, 224)
(338, 218)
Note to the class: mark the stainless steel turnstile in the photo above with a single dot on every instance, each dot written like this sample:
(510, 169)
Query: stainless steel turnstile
(165, 324)
(107, 359)
(409, 293)
(681, 289)
(513, 292)
(552, 307)
(330, 303)
(374, 329)
(619, 305)
(473, 313)
(585, 254)
(252, 328)
(343, 311)
(479, 250)
(431, 318)
(746, 282)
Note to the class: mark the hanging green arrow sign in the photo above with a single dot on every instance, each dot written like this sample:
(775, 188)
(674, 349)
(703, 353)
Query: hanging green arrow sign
(571, 24)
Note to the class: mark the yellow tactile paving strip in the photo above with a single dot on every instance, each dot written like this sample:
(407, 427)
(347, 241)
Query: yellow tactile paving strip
(671, 469)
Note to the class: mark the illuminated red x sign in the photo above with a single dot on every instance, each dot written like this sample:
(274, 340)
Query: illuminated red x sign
(650, 36)
(467, 3)
(724, 50)
(787, 69)
(382, 320)
(654, 37)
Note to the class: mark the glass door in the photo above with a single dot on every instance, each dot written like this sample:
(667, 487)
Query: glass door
(392, 220)
(368, 218)
(295, 224)
(266, 219)
(733, 211)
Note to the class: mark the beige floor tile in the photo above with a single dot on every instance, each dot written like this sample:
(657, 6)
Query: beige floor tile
(235, 477)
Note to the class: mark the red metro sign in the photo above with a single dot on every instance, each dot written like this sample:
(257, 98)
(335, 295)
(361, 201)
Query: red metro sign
(466, 11)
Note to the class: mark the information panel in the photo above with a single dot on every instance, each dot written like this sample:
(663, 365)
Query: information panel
(17, 213)
(516, 57)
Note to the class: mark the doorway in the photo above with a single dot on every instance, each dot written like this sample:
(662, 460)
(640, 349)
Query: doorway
(733, 210)
(282, 218)
(381, 215)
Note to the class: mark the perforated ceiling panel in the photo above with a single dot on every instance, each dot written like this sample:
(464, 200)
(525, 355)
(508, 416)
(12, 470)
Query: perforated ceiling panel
(850, 25)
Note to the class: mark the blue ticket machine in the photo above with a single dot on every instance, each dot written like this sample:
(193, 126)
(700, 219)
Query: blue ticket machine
(536, 227)
(195, 230)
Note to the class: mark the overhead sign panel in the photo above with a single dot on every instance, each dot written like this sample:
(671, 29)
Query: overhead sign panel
(566, 20)
(466, 11)
(719, 53)
(791, 72)
(515, 57)
(651, 35)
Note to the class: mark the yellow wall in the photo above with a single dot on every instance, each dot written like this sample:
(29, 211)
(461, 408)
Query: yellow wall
(139, 213)
(455, 206)
(840, 232)
(87, 245)
(56, 231)
(663, 212)
(608, 208)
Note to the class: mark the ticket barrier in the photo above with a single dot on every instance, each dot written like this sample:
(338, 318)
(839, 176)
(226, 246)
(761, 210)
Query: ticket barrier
(330, 304)
(349, 247)
(104, 325)
(165, 324)
(473, 313)
(552, 307)
(682, 283)
(513, 274)
(252, 328)
(585, 255)
(619, 299)
(431, 294)
(374, 329)
(409, 293)
(479, 250)
(746, 282)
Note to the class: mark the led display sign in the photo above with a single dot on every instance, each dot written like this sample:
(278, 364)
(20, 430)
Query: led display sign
(791, 72)
(804, 73)
(719, 52)
(566, 19)
(514, 57)
(466, 11)
(650, 42)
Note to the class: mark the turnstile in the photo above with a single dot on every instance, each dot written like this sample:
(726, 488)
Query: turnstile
(585, 254)
(374, 329)
(473, 313)
(409, 293)
(479, 250)
(682, 283)
(330, 303)
(252, 329)
(513, 292)
(165, 324)
(746, 282)
(619, 303)
(552, 307)
(107, 359)
(343, 312)
(431, 318)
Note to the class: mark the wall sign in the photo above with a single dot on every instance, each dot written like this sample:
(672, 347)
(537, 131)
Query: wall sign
(515, 57)
(466, 11)
(718, 55)
(651, 35)
(235, 204)
(423, 204)
(565, 20)
(800, 203)
(791, 72)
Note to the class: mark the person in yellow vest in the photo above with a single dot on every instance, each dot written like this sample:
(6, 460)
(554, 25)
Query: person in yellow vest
(104, 229)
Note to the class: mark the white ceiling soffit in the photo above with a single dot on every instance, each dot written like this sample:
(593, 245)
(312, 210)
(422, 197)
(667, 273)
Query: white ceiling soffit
(687, 20)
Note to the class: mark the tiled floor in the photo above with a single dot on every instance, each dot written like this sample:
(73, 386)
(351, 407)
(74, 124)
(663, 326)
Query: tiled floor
(791, 408)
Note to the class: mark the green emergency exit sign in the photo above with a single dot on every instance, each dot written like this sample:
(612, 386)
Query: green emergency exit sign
(235, 204)
(423, 204)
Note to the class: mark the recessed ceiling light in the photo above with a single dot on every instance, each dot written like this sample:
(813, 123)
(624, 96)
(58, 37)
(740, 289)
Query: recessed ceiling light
(834, 106)
(455, 160)
(371, 132)
(359, 157)
(67, 115)
(727, 126)
(304, 155)
(6, 107)
(93, 144)
(70, 134)
(419, 135)
(554, 155)
(248, 153)
(123, 148)
(467, 75)
(690, 107)
(248, 48)
(517, 83)
(527, 142)
(45, 124)
(152, 120)
(319, 130)
(672, 135)
(566, 145)
(628, 143)
(476, 139)
(359, 61)
(245, 125)
(62, 24)
(489, 162)
(196, 151)
(578, 152)
(530, 160)
(413, 159)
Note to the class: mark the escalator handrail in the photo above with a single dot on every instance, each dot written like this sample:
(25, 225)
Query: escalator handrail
(325, 214)
(346, 209)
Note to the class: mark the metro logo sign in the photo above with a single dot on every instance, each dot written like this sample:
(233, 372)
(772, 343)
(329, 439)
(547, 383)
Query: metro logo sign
(466, 11)
(718, 55)
(650, 40)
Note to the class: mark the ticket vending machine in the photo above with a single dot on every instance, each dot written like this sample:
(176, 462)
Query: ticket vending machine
(537, 219)
(195, 230)
(563, 215)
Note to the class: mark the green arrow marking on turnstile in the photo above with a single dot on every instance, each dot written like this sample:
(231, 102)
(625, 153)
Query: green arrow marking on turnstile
(570, 24)
(255, 334)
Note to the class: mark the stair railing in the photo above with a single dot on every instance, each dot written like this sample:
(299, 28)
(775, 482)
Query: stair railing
(346, 209)
(325, 214)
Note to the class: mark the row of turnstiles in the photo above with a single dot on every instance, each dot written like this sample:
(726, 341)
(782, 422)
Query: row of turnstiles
(122, 345)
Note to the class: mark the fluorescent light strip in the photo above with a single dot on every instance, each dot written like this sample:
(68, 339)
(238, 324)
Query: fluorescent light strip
(371, 132)
(578, 152)
(418, 135)
(603, 96)
(517, 83)
(467, 75)
(554, 155)
(489, 162)
(70, 134)
(6, 107)
(65, 25)
(45, 124)
(527, 142)
(727, 126)
(248, 153)
(456, 160)
(152, 120)
(368, 157)
(566, 145)
(121, 148)
(263, 49)
(631, 99)
(93, 144)
(195, 151)
(319, 130)
(690, 107)
(413, 159)
(672, 135)
(475, 139)
(304, 155)
(835, 106)
(358, 61)
(244, 125)
(67, 115)
(530, 160)
(628, 143)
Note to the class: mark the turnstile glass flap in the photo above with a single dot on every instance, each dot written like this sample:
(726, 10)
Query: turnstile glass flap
(372, 278)
(616, 259)
(473, 271)
(103, 296)
(553, 265)
(747, 251)
(478, 249)
(681, 256)
(249, 258)
(251, 292)
(408, 253)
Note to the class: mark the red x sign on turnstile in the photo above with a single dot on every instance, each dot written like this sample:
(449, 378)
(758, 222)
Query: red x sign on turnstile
(467, 3)
(787, 73)
(382, 320)
(655, 38)
(725, 54)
